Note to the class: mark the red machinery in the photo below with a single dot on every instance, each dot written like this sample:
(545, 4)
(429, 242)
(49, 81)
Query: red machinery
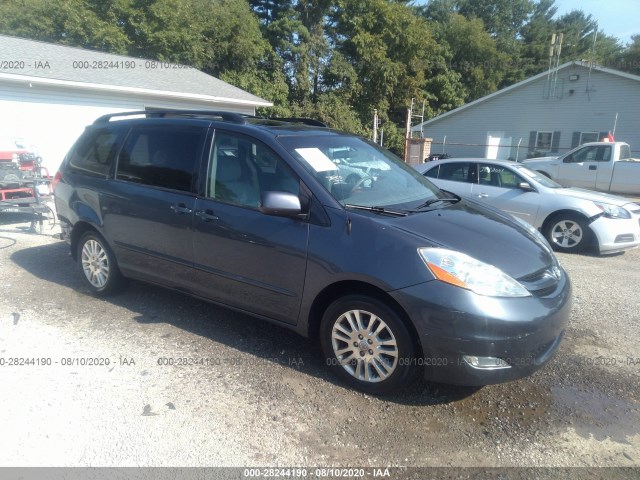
(25, 185)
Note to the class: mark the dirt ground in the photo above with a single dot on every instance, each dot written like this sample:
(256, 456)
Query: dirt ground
(251, 394)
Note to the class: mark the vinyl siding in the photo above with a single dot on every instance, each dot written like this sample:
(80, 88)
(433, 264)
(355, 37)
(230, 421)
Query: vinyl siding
(591, 107)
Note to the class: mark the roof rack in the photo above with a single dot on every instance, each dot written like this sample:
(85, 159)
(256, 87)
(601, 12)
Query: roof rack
(226, 116)
(307, 121)
(232, 117)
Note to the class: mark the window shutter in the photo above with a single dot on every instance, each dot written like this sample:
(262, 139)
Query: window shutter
(532, 140)
(575, 139)
(555, 142)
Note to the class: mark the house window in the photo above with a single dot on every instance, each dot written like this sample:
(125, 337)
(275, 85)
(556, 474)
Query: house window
(586, 137)
(544, 141)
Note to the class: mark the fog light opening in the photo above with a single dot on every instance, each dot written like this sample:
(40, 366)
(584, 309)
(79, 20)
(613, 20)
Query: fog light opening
(485, 363)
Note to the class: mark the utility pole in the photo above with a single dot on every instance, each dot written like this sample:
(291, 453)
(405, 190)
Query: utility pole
(407, 136)
(375, 125)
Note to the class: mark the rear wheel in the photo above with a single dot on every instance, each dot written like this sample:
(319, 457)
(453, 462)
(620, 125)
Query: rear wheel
(367, 345)
(568, 233)
(98, 265)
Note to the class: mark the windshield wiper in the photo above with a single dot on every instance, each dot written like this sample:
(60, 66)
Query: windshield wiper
(433, 201)
(381, 210)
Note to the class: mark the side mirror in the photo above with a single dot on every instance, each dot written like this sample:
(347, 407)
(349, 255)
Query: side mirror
(525, 186)
(280, 204)
(567, 159)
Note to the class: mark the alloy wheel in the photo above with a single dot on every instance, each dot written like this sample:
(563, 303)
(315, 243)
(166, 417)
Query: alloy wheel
(364, 345)
(95, 263)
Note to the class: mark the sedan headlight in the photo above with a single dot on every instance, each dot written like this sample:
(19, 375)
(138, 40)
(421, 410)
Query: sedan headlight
(611, 211)
(463, 271)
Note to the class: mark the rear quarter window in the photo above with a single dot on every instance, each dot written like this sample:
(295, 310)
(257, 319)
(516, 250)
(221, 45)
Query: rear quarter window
(625, 152)
(432, 172)
(94, 152)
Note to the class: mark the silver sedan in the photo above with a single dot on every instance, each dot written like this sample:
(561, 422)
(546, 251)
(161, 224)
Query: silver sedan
(570, 218)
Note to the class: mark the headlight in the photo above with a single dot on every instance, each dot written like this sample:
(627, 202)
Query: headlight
(463, 271)
(611, 211)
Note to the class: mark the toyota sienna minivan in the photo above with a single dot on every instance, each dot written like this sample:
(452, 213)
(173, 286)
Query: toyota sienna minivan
(390, 274)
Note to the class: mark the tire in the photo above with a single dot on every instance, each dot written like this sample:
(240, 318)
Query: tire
(98, 266)
(367, 345)
(10, 177)
(568, 233)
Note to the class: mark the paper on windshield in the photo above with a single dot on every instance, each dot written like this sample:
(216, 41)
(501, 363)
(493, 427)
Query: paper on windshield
(318, 160)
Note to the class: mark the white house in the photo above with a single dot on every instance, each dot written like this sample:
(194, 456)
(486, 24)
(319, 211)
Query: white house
(49, 93)
(549, 113)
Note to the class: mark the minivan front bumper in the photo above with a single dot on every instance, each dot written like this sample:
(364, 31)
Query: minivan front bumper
(469, 339)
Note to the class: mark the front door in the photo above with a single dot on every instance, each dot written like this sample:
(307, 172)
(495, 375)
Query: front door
(580, 169)
(244, 258)
(498, 186)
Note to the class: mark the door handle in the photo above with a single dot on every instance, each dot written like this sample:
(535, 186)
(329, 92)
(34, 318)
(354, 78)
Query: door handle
(483, 195)
(206, 215)
(593, 167)
(180, 209)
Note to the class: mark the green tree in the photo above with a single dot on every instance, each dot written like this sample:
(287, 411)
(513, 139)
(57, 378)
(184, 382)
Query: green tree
(67, 22)
(536, 37)
(631, 56)
(583, 41)
(474, 55)
(393, 54)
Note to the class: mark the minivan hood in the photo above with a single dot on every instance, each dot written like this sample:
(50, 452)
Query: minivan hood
(481, 232)
(584, 194)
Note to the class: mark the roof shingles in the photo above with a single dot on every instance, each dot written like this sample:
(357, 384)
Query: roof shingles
(31, 58)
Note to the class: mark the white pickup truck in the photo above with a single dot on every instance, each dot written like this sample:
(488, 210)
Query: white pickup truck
(603, 166)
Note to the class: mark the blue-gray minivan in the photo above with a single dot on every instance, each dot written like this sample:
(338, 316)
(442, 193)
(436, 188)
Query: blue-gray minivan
(318, 231)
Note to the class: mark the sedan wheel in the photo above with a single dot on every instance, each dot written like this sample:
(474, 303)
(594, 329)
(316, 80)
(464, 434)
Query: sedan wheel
(568, 233)
(367, 344)
(98, 264)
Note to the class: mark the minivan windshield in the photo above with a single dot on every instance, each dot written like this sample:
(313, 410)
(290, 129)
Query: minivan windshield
(357, 172)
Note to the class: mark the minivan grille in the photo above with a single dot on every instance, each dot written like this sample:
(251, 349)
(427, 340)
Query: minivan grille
(542, 282)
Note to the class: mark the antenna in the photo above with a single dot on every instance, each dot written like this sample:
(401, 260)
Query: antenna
(554, 62)
(591, 63)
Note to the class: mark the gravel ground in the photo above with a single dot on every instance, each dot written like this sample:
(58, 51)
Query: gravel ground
(259, 395)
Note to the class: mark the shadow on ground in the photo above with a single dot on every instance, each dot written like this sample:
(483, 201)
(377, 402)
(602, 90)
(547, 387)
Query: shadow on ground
(244, 333)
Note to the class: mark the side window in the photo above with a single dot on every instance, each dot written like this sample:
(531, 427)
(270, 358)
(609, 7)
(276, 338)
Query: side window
(161, 157)
(432, 173)
(604, 154)
(241, 169)
(94, 152)
(587, 154)
(458, 172)
(498, 176)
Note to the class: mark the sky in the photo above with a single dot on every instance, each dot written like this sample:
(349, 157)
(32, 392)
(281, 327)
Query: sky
(618, 18)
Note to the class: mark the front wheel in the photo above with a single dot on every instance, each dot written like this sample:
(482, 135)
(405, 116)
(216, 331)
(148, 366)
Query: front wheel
(98, 265)
(367, 345)
(568, 233)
